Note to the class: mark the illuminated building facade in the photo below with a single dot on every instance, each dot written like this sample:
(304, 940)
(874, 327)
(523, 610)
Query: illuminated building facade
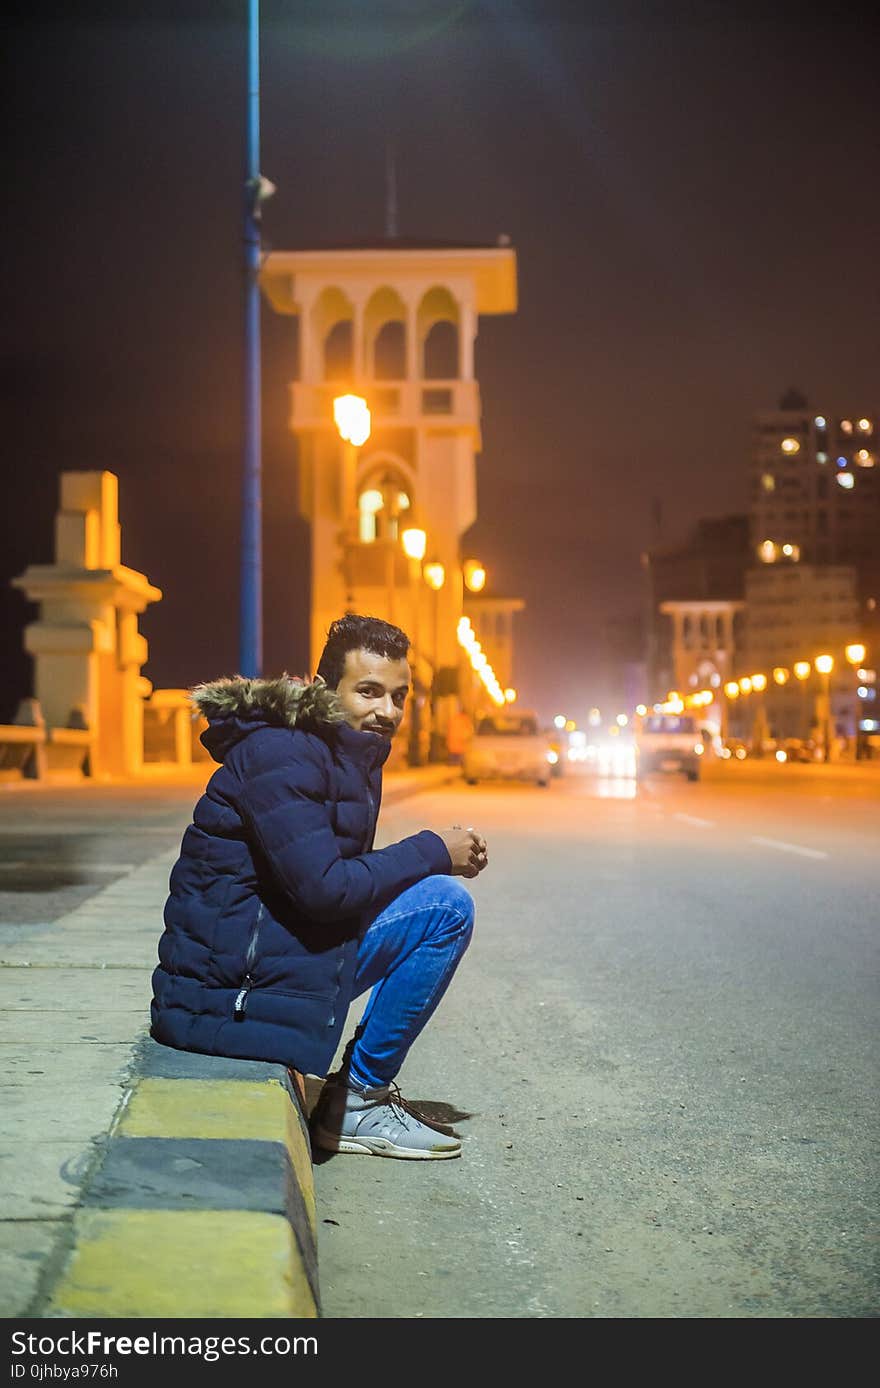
(393, 322)
(815, 487)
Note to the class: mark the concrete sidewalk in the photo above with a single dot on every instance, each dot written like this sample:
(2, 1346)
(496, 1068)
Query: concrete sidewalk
(139, 1181)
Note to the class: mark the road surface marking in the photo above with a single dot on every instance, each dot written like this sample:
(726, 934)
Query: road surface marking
(789, 847)
(693, 819)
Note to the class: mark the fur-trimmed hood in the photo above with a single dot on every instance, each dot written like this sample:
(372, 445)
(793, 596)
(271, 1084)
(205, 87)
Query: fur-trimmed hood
(235, 705)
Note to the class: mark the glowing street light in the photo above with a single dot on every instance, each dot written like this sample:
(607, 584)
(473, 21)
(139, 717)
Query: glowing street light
(745, 684)
(855, 653)
(414, 543)
(352, 418)
(801, 669)
(434, 575)
(824, 664)
(474, 575)
(731, 689)
(759, 682)
(780, 674)
(559, 720)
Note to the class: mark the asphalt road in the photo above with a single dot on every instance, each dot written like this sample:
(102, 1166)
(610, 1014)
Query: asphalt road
(661, 1053)
(661, 1049)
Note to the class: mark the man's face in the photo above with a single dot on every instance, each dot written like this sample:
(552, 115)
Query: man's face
(373, 692)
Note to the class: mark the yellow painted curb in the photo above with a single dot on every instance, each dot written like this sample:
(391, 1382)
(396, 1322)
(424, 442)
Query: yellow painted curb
(230, 1109)
(164, 1263)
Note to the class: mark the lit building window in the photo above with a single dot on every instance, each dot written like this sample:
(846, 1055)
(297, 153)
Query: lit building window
(846, 426)
(820, 421)
(846, 480)
(767, 552)
(379, 509)
(865, 426)
(821, 457)
(864, 458)
(790, 446)
(768, 482)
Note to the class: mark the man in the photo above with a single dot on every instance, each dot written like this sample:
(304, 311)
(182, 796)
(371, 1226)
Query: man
(280, 910)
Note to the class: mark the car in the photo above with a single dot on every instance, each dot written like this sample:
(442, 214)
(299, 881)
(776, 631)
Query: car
(798, 749)
(669, 742)
(734, 748)
(508, 746)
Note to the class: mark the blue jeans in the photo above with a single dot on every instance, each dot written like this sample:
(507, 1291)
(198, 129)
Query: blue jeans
(407, 955)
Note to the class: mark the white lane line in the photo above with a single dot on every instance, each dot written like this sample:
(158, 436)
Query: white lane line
(693, 819)
(789, 847)
(40, 865)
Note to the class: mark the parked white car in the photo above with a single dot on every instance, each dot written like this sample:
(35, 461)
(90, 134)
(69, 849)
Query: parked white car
(508, 746)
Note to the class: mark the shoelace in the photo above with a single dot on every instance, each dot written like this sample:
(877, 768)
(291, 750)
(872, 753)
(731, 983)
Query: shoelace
(401, 1108)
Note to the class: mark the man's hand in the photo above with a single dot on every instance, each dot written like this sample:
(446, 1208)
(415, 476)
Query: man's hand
(466, 848)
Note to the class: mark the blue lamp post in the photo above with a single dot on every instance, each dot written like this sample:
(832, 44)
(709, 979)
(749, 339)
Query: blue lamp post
(256, 190)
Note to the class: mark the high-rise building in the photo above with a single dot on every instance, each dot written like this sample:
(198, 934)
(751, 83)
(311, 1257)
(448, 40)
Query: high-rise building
(815, 508)
(815, 486)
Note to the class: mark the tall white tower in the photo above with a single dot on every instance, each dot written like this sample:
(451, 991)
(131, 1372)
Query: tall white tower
(394, 322)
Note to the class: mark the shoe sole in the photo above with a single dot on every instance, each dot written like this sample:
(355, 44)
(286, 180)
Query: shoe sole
(378, 1147)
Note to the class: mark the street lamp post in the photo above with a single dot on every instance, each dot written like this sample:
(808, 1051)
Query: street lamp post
(760, 728)
(801, 671)
(855, 655)
(435, 576)
(353, 422)
(251, 597)
(256, 190)
(825, 664)
(414, 542)
(731, 690)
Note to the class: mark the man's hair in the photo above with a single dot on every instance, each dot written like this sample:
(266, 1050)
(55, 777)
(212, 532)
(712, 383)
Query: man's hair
(354, 633)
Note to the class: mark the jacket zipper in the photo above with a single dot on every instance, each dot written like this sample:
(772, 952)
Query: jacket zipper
(241, 997)
(373, 818)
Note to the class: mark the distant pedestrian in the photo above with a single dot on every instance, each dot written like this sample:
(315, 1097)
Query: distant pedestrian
(281, 911)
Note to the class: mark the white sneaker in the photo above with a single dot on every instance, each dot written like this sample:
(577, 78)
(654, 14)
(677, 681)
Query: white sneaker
(376, 1123)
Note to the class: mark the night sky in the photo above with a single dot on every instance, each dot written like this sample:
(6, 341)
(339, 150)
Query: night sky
(692, 192)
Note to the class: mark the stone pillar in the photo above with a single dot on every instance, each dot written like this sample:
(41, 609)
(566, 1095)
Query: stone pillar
(86, 648)
(467, 332)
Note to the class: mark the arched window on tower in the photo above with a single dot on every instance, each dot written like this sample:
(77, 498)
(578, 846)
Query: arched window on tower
(383, 507)
(441, 352)
(389, 352)
(339, 352)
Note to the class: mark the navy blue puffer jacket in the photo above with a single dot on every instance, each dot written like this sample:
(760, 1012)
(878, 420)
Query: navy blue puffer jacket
(277, 878)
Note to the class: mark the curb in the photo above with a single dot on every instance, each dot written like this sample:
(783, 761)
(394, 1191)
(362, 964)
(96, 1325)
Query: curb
(203, 1204)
